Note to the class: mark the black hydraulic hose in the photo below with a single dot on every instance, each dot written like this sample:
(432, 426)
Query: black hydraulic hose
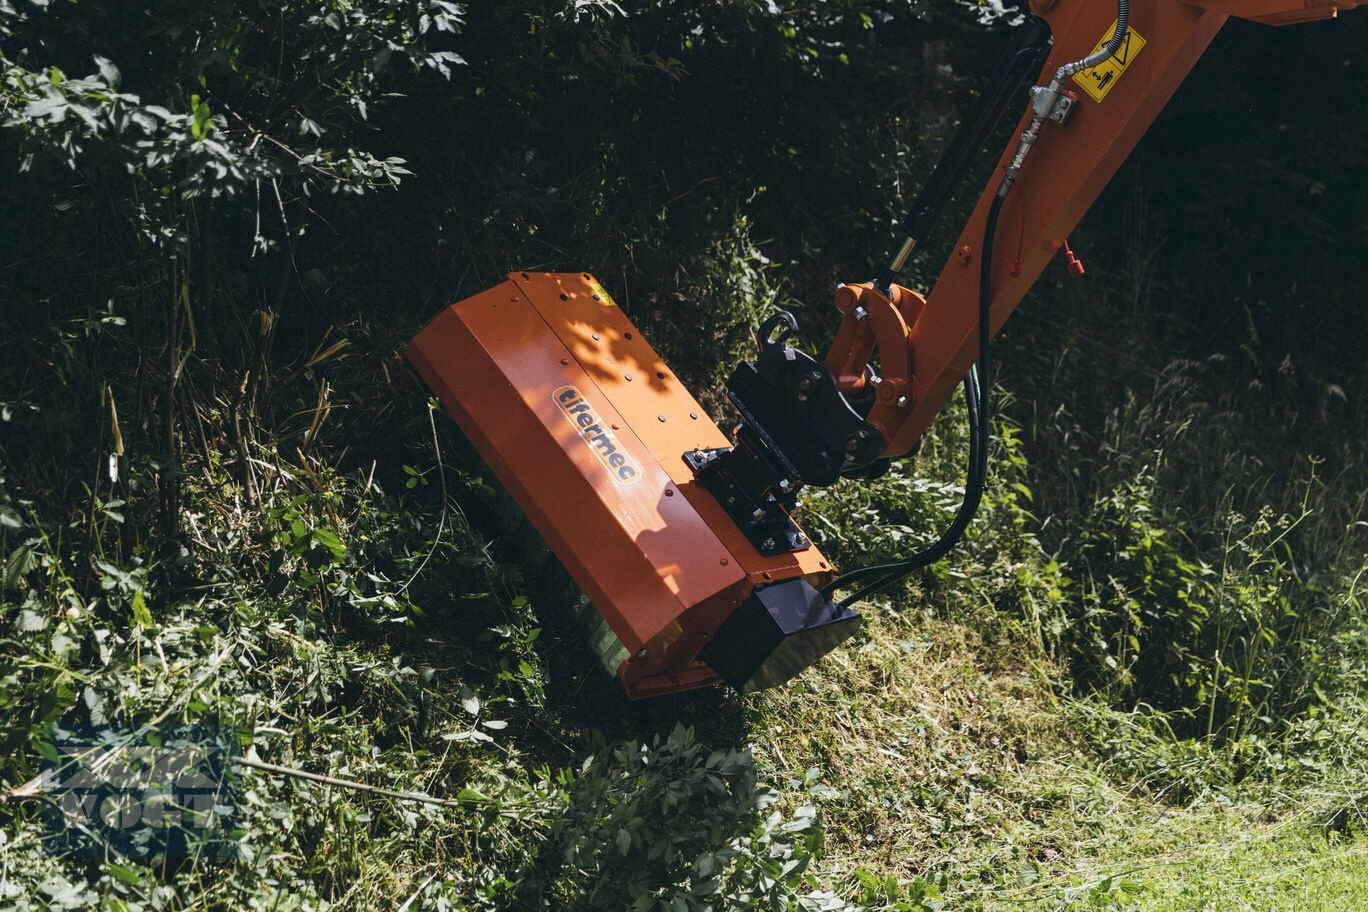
(978, 382)
(977, 388)
(1107, 51)
(1030, 45)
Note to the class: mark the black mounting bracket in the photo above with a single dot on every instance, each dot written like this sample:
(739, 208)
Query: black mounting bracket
(759, 504)
(796, 428)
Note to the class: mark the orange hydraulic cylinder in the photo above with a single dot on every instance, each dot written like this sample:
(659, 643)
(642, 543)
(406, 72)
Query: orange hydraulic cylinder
(586, 427)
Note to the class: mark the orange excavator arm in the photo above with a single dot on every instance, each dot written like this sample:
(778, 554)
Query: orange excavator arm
(1108, 70)
(1102, 113)
(682, 536)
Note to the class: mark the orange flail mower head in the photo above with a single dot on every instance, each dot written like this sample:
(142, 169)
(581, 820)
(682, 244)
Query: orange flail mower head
(592, 435)
(681, 538)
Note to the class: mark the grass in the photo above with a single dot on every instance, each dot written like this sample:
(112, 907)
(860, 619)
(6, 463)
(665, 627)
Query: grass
(1216, 854)
(1264, 868)
(961, 778)
(948, 765)
(972, 749)
(941, 760)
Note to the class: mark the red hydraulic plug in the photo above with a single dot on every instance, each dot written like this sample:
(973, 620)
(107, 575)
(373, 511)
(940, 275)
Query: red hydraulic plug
(1075, 264)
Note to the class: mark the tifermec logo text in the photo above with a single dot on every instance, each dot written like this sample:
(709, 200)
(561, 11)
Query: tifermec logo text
(621, 466)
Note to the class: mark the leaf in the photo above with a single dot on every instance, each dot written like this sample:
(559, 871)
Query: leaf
(141, 616)
(623, 841)
(469, 702)
(53, 106)
(108, 71)
(21, 561)
(202, 123)
(31, 621)
(63, 646)
(330, 540)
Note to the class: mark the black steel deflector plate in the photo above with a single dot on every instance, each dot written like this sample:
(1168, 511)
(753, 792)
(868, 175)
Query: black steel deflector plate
(776, 633)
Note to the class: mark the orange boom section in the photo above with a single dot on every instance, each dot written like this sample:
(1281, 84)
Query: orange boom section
(586, 427)
(1108, 109)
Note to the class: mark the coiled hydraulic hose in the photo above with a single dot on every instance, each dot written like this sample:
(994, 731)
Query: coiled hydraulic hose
(978, 382)
(977, 394)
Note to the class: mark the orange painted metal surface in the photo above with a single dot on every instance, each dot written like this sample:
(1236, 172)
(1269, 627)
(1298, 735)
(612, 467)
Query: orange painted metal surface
(870, 321)
(1061, 179)
(1278, 12)
(586, 426)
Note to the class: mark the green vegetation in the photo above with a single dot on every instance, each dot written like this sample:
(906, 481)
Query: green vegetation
(1139, 685)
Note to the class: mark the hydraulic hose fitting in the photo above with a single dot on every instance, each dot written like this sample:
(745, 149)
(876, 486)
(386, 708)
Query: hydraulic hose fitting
(1046, 101)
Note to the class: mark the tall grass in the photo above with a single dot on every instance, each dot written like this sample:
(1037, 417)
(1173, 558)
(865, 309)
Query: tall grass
(1202, 511)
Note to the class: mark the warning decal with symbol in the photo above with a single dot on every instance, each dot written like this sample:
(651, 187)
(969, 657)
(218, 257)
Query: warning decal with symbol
(1098, 81)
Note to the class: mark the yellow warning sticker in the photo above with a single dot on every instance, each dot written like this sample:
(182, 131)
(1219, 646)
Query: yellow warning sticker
(1098, 81)
(603, 294)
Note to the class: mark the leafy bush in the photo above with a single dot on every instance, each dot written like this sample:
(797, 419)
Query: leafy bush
(673, 825)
